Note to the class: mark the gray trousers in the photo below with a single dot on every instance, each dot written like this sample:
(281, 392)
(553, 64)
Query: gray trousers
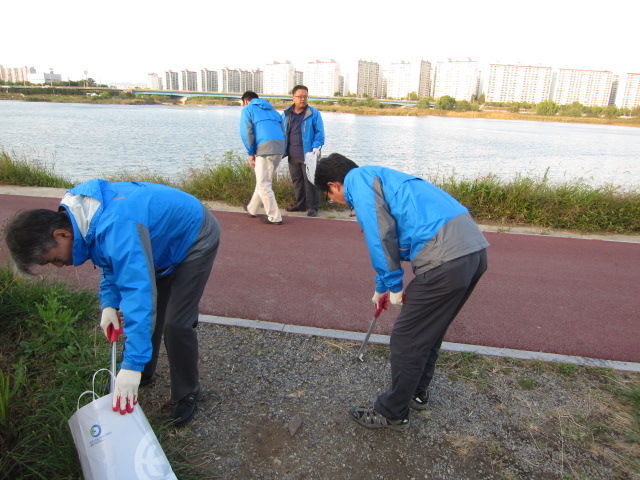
(307, 196)
(178, 296)
(433, 299)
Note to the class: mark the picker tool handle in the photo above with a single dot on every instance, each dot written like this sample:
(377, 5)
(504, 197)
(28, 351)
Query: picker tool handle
(383, 304)
(113, 334)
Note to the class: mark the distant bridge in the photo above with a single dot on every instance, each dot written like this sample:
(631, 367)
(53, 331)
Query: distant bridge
(238, 96)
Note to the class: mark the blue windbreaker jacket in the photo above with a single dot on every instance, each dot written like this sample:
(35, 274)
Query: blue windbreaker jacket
(406, 218)
(312, 128)
(134, 232)
(261, 129)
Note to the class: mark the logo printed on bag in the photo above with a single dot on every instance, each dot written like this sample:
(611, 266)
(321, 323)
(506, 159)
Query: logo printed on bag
(95, 430)
(150, 460)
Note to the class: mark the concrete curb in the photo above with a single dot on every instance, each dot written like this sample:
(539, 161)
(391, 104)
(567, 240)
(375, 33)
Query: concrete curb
(453, 347)
(343, 214)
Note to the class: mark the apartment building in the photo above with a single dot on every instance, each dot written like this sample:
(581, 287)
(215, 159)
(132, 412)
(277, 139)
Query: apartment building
(322, 78)
(369, 81)
(189, 81)
(589, 87)
(230, 80)
(278, 78)
(171, 80)
(457, 79)
(208, 80)
(400, 80)
(518, 83)
(629, 94)
(154, 81)
(424, 81)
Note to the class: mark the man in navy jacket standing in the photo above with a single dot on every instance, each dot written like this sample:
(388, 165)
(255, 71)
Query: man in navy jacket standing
(305, 134)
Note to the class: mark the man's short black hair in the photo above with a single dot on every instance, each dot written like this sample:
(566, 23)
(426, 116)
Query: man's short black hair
(29, 235)
(299, 87)
(249, 95)
(332, 169)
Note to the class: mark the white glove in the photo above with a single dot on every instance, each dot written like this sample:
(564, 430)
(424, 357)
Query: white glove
(125, 393)
(109, 317)
(376, 299)
(397, 298)
(316, 152)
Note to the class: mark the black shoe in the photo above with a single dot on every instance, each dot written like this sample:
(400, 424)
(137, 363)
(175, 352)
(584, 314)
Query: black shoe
(247, 210)
(269, 222)
(146, 381)
(312, 213)
(295, 209)
(370, 418)
(419, 401)
(184, 409)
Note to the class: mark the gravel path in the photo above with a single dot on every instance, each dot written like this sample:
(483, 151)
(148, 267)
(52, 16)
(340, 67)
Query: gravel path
(274, 406)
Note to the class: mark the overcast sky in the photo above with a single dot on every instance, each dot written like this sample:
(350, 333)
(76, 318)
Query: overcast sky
(123, 41)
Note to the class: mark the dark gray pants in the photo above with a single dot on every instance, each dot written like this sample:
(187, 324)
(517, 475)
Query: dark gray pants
(307, 196)
(433, 299)
(178, 296)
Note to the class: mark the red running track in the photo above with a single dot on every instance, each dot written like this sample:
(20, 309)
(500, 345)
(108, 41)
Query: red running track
(541, 293)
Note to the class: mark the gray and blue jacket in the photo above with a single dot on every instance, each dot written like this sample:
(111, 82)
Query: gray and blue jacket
(261, 129)
(406, 218)
(312, 128)
(135, 232)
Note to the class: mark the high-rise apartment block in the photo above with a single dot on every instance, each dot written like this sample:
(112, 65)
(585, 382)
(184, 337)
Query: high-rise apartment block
(278, 78)
(629, 95)
(589, 87)
(208, 80)
(369, 79)
(400, 80)
(154, 81)
(171, 80)
(424, 82)
(458, 79)
(322, 78)
(230, 80)
(189, 81)
(518, 83)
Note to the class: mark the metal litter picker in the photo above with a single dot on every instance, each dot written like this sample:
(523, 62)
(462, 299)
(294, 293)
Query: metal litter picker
(113, 335)
(383, 304)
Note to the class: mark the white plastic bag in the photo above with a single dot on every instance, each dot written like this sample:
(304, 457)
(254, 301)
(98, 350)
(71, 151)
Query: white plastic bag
(115, 447)
(310, 162)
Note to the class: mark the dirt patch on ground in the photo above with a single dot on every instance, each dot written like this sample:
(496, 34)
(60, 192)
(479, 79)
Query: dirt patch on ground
(488, 418)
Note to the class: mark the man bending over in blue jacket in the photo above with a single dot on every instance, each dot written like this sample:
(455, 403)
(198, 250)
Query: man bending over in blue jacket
(405, 218)
(262, 134)
(156, 246)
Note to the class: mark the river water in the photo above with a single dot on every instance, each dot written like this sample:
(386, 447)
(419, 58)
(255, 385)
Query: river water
(82, 141)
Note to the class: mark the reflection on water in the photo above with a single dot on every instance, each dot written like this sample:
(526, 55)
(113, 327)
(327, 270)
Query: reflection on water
(86, 141)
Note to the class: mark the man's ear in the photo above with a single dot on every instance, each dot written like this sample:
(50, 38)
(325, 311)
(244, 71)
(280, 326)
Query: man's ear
(62, 233)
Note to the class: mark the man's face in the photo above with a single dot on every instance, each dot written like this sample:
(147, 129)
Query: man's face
(336, 193)
(61, 254)
(300, 99)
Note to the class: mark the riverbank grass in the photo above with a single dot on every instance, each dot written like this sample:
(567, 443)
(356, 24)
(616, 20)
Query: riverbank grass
(536, 202)
(18, 170)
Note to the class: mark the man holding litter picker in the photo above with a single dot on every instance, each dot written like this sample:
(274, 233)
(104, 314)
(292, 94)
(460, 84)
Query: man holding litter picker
(156, 246)
(405, 218)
